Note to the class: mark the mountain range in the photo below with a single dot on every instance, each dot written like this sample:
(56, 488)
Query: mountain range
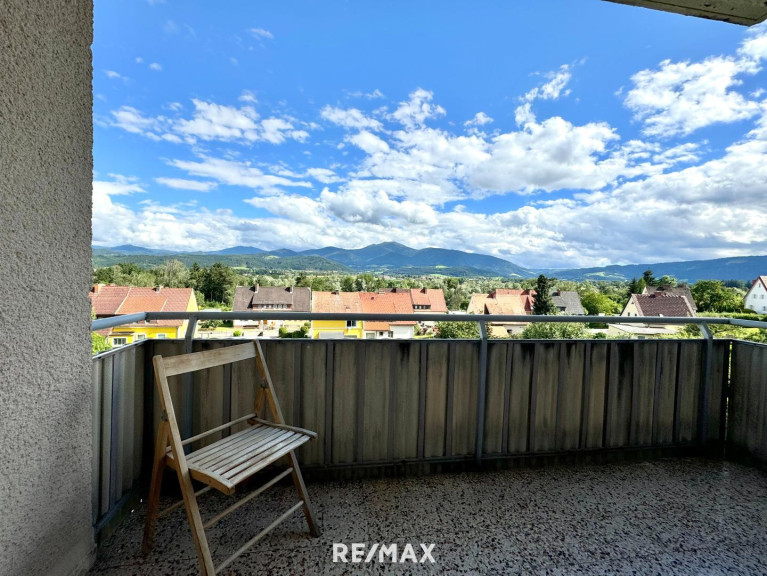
(395, 258)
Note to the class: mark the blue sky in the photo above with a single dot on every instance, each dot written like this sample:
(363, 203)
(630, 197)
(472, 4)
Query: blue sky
(560, 133)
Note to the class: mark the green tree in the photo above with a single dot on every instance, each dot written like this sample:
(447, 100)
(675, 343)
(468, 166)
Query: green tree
(218, 283)
(636, 286)
(301, 333)
(713, 296)
(104, 275)
(667, 281)
(542, 303)
(172, 273)
(648, 278)
(196, 276)
(457, 330)
(347, 284)
(321, 284)
(99, 343)
(555, 331)
(596, 304)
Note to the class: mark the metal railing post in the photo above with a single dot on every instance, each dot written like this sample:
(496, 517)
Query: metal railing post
(481, 392)
(705, 384)
(189, 382)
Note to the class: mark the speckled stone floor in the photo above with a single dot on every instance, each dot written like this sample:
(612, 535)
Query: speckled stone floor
(680, 516)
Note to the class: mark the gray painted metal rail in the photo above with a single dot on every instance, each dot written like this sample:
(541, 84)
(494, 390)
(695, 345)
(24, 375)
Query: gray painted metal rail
(203, 315)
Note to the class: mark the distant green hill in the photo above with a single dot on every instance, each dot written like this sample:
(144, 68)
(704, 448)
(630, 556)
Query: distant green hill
(262, 261)
(394, 258)
(738, 268)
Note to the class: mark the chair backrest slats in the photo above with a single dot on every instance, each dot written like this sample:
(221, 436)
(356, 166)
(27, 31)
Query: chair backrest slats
(208, 359)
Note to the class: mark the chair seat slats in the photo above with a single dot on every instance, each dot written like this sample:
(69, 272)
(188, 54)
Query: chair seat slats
(244, 440)
(235, 458)
(227, 440)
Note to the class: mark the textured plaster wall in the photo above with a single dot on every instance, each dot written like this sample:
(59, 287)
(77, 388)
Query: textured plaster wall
(45, 231)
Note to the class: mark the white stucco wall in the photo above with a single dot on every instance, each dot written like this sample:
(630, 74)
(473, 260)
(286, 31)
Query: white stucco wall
(45, 233)
(756, 299)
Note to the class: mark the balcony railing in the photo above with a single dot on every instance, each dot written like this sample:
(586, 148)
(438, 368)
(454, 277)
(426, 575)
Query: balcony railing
(413, 405)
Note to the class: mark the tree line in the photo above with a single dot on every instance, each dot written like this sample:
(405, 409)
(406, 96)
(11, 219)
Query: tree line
(214, 286)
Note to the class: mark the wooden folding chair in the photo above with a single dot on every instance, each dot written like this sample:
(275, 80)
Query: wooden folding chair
(227, 462)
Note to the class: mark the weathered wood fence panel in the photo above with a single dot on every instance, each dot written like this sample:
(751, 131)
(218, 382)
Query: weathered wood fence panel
(118, 428)
(747, 430)
(381, 403)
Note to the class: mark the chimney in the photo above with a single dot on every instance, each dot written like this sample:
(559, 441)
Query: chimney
(290, 289)
(157, 288)
(96, 288)
(255, 288)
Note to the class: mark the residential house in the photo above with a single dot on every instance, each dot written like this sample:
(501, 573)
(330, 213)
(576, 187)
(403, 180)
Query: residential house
(505, 302)
(272, 298)
(659, 304)
(424, 301)
(428, 300)
(110, 300)
(683, 290)
(756, 297)
(387, 302)
(338, 302)
(568, 303)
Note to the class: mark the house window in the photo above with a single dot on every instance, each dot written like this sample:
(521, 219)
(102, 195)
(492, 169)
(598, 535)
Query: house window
(137, 337)
(351, 324)
(119, 341)
(160, 336)
(370, 335)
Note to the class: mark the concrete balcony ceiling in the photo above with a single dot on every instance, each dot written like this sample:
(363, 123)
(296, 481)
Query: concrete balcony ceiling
(745, 12)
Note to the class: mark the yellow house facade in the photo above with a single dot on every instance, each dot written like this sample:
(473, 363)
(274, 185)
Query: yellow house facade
(111, 300)
(337, 329)
(338, 302)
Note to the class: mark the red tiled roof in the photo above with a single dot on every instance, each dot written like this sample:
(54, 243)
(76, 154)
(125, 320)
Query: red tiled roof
(434, 298)
(420, 297)
(675, 291)
(477, 304)
(145, 302)
(502, 301)
(339, 302)
(115, 300)
(506, 305)
(107, 300)
(662, 304)
(386, 303)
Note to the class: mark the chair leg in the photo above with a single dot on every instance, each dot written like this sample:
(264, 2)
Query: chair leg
(298, 480)
(195, 524)
(153, 501)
